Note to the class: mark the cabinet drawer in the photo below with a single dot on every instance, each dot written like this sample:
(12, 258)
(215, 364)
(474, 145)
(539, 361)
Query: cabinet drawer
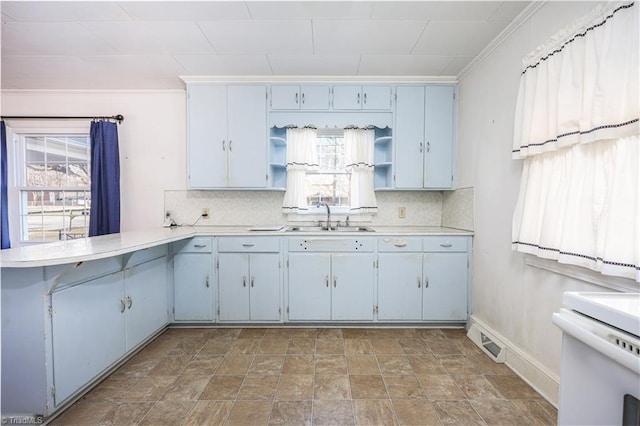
(320, 244)
(194, 245)
(390, 244)
(445, 243)
(249, 244)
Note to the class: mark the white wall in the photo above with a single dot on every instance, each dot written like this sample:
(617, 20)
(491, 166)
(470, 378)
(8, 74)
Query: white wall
(511, 298)
(152, 140)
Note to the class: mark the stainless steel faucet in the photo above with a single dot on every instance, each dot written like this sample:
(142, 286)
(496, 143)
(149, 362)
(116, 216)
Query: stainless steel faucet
(328, 214)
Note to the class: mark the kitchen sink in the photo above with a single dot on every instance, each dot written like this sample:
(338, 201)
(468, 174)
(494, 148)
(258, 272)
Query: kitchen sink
(332, 229)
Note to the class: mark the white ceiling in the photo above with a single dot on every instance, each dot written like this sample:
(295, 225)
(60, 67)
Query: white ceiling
(148, 44)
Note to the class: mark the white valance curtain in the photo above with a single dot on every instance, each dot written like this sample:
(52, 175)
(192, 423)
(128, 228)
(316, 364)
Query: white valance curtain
(359, 152)
(301, 156)
(577, 129)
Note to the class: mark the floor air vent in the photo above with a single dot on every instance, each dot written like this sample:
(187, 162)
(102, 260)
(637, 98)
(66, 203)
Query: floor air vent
(488, 343)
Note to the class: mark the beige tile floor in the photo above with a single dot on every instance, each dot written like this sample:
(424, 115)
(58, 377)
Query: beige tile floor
(304, 376)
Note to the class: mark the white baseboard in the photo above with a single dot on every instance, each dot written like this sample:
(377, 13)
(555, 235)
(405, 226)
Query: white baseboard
(537, 376)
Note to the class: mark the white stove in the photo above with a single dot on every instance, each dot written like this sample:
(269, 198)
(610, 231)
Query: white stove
(600, 372)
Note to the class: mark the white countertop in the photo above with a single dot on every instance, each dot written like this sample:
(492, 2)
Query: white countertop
(85, 249)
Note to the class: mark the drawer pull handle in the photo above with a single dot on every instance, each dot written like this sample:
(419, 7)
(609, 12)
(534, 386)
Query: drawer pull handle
(129, 302)
(122, 306)
(446, 245)
(244, 281)
(252, 281)
(428, 146)
(223, 146)
(296, 99)
(326, 280)
(421, 144)
(199, 245)
(230, 145)
(419, 282)
(335, 282)
(247, 244)
(426, 282)
(206, 283)
(401, 244)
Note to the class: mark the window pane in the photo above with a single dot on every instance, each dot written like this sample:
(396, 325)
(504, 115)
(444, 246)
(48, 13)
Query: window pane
(55, 161)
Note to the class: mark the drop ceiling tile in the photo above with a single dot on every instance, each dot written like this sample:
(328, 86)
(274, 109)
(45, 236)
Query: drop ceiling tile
(358, 37)
(310, 9)
(224, 64)
(258, 37)
(457, 38)
(155, 37)
(314, 64)
(63, 11)
(51, 38)
(420, 65)
(456, 65)
(509, 10)
(435, 10)
(185, 10)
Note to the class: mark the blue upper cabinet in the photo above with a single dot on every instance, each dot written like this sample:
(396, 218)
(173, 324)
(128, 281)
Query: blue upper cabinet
(372, 97)
(424, 137)
(306, 97)
(227, 136)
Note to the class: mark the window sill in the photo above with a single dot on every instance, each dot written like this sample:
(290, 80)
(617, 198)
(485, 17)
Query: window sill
(583, 274)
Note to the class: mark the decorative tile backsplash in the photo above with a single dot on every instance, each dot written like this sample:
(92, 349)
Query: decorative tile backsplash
(259, 208)
(457, 209)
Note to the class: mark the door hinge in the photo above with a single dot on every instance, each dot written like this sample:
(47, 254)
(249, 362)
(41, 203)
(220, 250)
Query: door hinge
(50, 309)
(375, 309)
(217, 264)
(53, 391)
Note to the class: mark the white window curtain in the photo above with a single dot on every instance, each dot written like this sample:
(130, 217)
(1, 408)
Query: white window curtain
(301, 156)
(577, 129)
(359, 150)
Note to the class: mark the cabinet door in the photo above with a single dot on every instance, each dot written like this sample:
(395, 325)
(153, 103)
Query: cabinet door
(376, 97)
(314, 97)
(265, 287)
(309, 291)
(400, 286)
(247, 133)
(146, 300)
(445, 287)
(193, 287)
(347, 97)
(233, 286)
(439, 134)
(207, 135)
(285, 97)
(352, 287)
(88, 332)
(409, 137)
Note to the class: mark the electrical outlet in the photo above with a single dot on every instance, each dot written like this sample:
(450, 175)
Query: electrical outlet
(205, 213)
(402, 212)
